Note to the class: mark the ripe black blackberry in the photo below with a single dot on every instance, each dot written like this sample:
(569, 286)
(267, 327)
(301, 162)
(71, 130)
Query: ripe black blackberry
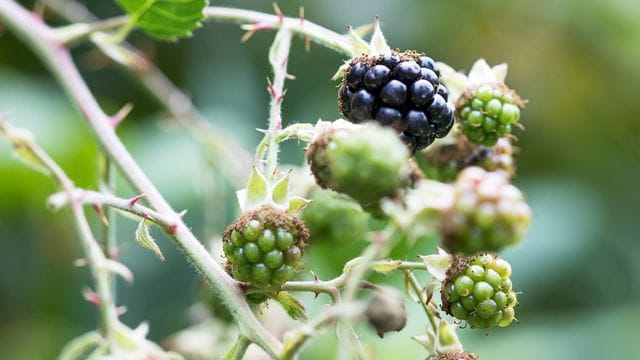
(399, 90)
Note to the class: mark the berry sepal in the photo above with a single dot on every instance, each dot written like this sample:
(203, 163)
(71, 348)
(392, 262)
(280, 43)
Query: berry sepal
(260, 192)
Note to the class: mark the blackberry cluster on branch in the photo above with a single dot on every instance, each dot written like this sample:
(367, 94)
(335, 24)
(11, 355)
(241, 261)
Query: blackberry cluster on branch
(398, 90)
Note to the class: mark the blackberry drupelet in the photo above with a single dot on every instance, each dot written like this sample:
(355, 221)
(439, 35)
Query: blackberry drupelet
(401, 91)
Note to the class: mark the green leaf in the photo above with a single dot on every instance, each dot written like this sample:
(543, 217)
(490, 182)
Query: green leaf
(144, 238)
(291, 305)
(165, 19)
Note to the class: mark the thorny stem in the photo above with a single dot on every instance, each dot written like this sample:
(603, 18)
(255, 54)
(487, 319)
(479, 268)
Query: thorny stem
(238, 349)
(94, 198)
(219, 147)
(421, 299)
(258, 21)
(43, 41)
(91, 248)
(253, 21)
(108, 239)
(278, 57)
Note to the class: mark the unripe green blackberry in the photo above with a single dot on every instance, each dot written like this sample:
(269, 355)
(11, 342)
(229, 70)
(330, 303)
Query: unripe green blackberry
(487, 112)
(265, 246)
(443, 162)
(478, 290)
(488, 213)
(367, 162)
(334, 217)
(458, 355)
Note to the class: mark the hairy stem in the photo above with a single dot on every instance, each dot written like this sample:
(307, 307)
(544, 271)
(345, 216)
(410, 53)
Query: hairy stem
(43, 41)
(278, 57)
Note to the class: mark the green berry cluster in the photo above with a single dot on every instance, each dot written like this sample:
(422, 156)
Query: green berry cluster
(265, 247)
(366, 162)
(488, 112)
(479, 291)
(488, 213)
(443, 162)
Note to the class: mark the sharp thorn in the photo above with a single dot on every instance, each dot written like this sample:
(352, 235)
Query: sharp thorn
(135, 199)
(117, 119)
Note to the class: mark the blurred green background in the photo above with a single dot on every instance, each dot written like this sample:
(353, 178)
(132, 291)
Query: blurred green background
(576, 61)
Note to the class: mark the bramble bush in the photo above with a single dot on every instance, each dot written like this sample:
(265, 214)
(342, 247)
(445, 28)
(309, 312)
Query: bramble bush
(423, 150)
